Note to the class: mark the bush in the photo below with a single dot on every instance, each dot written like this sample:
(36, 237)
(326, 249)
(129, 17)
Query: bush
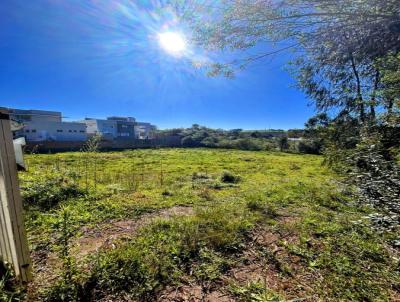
(283, 143)
(255, 205)
(9, 291)
(248, 144)
(229, 177)
(199, 175)
(190, 142)
(377, 178)
(267, 209)
(49, 192)
(310, 147)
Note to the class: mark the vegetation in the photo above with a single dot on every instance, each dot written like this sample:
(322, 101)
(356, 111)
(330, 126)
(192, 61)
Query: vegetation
(9, 289)
(256, 226)
(257, 140)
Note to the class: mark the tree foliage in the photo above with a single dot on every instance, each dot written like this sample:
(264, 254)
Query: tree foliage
(255, 140)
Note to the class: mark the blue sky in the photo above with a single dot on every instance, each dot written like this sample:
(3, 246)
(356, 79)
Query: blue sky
(97, 58)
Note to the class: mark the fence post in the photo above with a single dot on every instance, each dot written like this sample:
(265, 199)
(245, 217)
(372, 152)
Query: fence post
(13, 242)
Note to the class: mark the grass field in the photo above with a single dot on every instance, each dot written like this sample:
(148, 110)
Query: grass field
(199, 225)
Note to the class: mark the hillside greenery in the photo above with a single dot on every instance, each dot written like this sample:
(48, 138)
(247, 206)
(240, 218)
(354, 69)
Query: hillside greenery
(291, 140)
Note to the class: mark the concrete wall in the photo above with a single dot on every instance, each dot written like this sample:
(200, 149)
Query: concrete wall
(118, 144)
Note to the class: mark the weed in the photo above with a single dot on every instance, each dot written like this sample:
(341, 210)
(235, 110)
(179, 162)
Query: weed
(266, 208)
(9, 290)
(254, 292)
(255, 205)
(68, 287)
(205, 194)
(294, 166)
(200, 175)
(49, 192)
(210, 265)
(229, 177)
(166, 193)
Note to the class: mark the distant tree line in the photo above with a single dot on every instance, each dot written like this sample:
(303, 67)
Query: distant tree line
(255, 140)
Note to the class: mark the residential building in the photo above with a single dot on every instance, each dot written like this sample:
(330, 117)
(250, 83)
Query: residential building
(25, 116)
(106, 128)
(125, 126)
(116, 127)
(144, 130)
(40, 125)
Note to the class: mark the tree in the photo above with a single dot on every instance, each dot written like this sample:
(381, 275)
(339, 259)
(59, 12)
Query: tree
(241, 24)
(390, 74)
(283, 143)
(337, 43)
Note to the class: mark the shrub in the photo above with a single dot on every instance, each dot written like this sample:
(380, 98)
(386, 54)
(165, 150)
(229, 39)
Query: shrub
(265, 208)
(248, 144)
(188, 141)
(310, 147)
(49, 192)
(229, 177)
(67, 288)
(205, 194)
(8, 289)
(283, 143)
(199, 175)
(255, 205)
(166, 193)
(378, 180)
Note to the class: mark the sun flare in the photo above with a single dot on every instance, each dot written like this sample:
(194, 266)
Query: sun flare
(172, 42)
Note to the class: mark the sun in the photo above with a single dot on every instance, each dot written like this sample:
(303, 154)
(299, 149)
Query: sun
(172, 42)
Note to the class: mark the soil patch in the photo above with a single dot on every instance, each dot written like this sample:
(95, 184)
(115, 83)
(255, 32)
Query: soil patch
(104, 235)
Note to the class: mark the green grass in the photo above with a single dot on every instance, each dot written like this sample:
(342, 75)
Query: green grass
(237, 195)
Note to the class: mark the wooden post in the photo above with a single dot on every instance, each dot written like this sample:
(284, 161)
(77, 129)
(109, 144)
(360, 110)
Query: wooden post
(13, 242)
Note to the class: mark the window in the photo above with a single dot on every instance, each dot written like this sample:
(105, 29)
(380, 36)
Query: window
(27, 130)
(25, 118)
(70, 131)
(59, 130)
(75, 131)
(81, 131)
(33, 130)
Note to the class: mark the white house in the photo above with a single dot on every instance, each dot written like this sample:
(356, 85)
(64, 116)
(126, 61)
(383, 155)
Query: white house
(55, 131)
(105, 128)
(119, 127)
(40, 125)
